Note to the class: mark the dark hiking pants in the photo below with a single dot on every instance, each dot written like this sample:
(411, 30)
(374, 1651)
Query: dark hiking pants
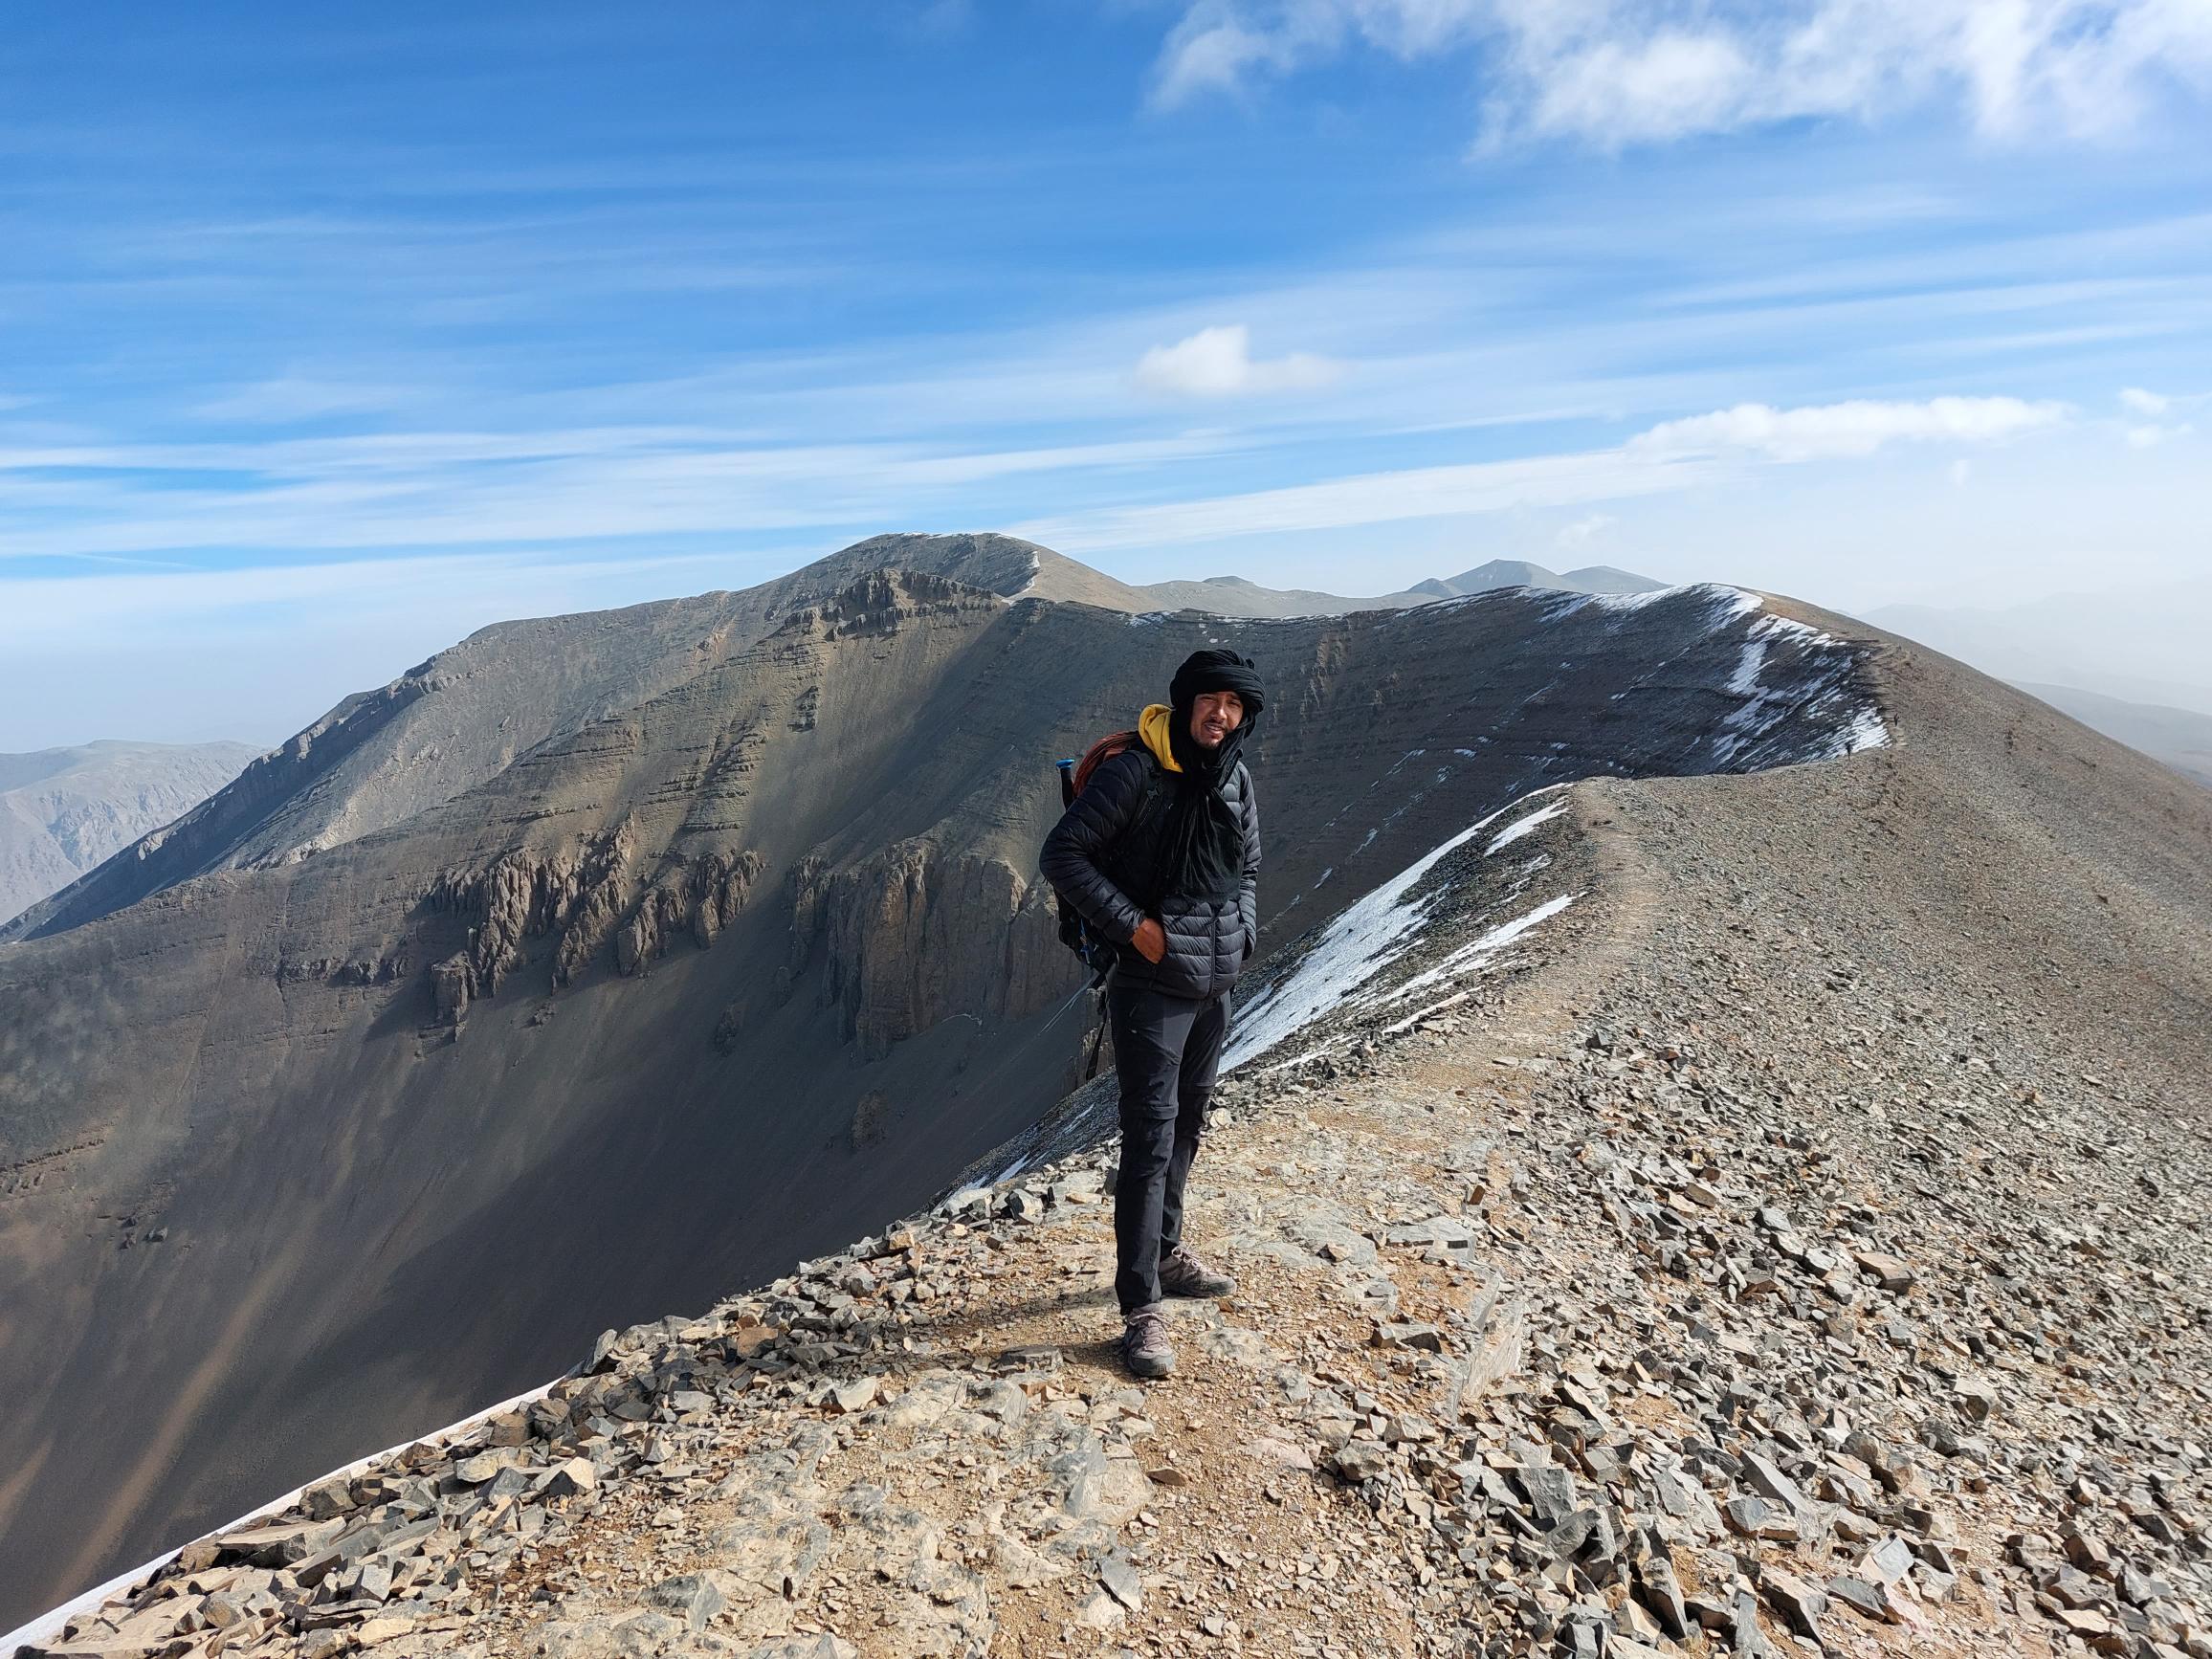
(1166, 1051)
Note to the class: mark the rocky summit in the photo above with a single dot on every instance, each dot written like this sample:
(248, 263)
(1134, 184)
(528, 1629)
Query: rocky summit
(1746, 1214)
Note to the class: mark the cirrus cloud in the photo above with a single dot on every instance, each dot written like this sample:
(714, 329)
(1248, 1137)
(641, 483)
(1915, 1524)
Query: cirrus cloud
(1673, 456)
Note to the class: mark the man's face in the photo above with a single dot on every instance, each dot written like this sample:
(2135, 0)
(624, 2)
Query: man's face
(1213, 716)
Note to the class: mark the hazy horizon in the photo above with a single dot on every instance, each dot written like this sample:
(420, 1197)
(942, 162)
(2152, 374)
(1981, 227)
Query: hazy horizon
(2141, 647)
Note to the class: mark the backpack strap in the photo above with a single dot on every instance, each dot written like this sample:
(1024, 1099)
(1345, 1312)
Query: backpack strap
(1149, 895)
(1074, 781)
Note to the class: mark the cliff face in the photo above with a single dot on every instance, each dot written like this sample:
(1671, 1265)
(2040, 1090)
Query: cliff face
(315, 1153)
(913, 936)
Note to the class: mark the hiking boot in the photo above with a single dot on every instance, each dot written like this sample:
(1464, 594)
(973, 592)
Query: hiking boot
(1183, 1274)
(1144, 1348)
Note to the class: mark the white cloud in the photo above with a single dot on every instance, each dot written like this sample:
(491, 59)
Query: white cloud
(2145, 438)
(2154, 407)
(1961, 470)
(1658, 88)
(1218, 362)
(1207, 55)
(1617, 72)
(1824, 432)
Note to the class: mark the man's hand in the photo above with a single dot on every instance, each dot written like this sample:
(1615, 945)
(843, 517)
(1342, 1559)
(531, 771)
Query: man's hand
(1150, 940)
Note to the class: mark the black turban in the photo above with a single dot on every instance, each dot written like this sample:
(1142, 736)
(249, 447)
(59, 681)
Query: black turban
(1216, 671)
(1204, 842)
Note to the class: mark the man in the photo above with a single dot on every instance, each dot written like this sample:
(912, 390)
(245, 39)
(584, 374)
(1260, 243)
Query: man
(1161, 853)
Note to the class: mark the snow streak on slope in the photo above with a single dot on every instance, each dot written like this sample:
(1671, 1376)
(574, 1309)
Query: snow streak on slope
(1856, 725)
(1767, 685)
(1469, 957)
(1364, 938)
(1520, 827)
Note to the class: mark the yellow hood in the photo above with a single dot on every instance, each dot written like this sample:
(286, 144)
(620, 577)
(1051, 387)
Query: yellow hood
(1153, 725)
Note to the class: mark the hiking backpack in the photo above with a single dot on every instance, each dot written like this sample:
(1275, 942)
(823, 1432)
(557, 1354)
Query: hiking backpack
(1098, 954)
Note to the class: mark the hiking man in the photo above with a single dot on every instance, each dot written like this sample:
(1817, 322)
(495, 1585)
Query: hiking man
(1161, 853)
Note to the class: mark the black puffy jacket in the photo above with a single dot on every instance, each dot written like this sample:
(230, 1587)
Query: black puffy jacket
(1108, 843)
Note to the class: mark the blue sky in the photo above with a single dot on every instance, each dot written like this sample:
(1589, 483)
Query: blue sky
(329, 334)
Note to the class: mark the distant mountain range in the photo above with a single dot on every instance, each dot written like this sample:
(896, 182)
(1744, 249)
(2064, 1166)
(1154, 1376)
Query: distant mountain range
(2128, 661)
(2141, 643)
(1520, 573)
(1236, 596)
(64, 810)
(2177, 738)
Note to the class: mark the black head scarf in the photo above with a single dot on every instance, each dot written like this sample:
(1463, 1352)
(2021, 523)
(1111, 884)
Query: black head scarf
(1203, 854)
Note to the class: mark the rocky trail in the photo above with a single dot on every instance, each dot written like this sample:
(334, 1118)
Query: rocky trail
(1795, 1243)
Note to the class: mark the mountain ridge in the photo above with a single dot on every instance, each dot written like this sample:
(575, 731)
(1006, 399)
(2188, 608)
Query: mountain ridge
(450, 721)
(737, 971)
(1520, 573)
(2179, 739)
(1717, 1265)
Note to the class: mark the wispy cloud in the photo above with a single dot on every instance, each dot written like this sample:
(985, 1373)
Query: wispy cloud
(458, 488)
(2145, 438)
(1672, 456)
(1578, 534)
(2155, 407)
(1828, 431)
(42, 609)
(1378, 498)
(1621, 72)
(1218, 362)
(291, 397)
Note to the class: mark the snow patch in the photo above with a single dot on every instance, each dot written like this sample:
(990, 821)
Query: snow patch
(1632, 601)
(1520, 827)
(1864, 732)
(1728, 602)
(1364, 938)
(1858, 728)
(1468, 958)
